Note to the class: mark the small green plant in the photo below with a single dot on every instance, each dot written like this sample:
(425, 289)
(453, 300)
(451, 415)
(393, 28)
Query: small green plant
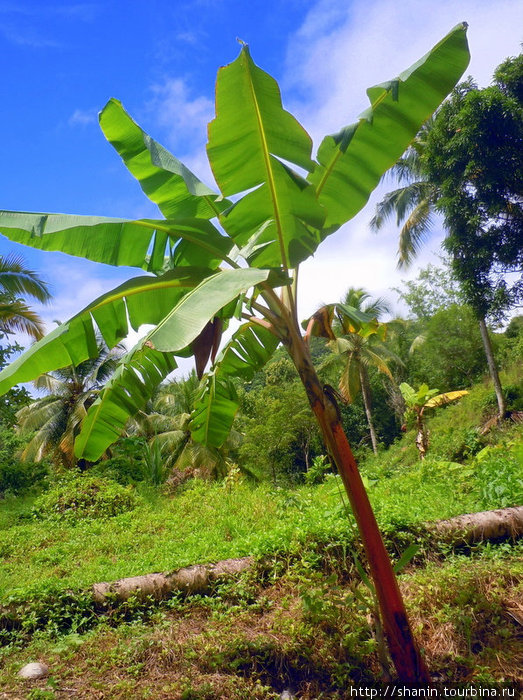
(84, 497)
(500, 476)
(318, 470)
(154, 469)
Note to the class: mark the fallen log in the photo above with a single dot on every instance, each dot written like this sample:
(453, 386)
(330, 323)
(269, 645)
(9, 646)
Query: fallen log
(471, 528)
(487, 525)
(191, 579)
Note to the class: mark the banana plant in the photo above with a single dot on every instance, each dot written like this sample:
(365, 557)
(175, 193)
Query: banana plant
(231, 253)
(418, 401)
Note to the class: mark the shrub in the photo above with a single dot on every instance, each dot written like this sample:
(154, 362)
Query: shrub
(318, 469)
(18, 477)
(15, 476)
(126, 462)
(500, 476)
(119, 469)
(85, 497)
(514, 396)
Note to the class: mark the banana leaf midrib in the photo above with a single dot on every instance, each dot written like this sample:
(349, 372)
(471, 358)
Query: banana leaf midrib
(339, 152)
(268, 167)
(161, 284)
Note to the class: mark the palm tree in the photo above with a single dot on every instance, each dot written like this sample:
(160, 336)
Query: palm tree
(414, 205)
(358, 349)
(166, 425)
(17, 281)
(56, 419)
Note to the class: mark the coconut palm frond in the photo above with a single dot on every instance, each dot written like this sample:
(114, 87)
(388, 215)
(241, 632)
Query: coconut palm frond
(414, 232)
(16, 280)
(350, 384)
(37, 414)
(371, 358)
(57, 417)
(16, 316)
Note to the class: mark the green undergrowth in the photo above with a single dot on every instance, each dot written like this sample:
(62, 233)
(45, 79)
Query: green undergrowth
(208, 522)
(87, 529)
(299, 625)
(49, 565)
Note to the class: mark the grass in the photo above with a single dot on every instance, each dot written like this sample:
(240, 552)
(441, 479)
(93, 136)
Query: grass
(298, 621)
(304, 630)
(208, 522)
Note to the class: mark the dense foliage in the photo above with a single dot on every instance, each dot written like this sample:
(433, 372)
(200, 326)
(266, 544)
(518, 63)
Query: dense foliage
(474, 155)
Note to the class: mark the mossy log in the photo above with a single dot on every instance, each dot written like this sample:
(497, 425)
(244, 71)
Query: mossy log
(488, 525)
(191, 579)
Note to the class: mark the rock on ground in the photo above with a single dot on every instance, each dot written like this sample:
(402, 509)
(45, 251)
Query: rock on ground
(33, 671)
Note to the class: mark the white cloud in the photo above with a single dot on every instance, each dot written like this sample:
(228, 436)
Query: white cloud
(183, 119)
(82, 117)
(340, 50)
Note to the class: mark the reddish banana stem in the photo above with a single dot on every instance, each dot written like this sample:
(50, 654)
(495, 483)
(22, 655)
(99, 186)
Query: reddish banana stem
(404, 652)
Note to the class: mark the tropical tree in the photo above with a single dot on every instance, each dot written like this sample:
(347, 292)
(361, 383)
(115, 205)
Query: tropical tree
(16, 282)
(420, 400)
(358, 347)
(55, 419)
(166, 424)
(255, 150)
(475, 157)
(467, 163)
(414, 204)
(279, 432)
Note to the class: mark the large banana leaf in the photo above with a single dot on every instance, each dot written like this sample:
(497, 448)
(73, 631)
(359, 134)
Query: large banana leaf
(143, 243)
(443, 399)
(142, 300)
(352, 161)
(283, 217)
(250, 133)
(127, 392)
(180, 316)
(163, 178)
(250, 125)
(188, 319)
(217, 402)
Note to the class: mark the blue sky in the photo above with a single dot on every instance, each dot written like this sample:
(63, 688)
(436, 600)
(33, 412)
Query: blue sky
(64, 60)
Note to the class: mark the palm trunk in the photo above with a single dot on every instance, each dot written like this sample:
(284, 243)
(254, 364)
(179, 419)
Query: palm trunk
(405, 655)
(365, 394)
(493, 370)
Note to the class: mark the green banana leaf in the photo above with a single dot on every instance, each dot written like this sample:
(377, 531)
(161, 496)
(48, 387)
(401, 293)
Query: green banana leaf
(143, 243)
(134, 382)
(215, 407)
(352, 161)
(180, 303)
(249, 135)
(187, 320)
(142, 300)
(162, 177)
